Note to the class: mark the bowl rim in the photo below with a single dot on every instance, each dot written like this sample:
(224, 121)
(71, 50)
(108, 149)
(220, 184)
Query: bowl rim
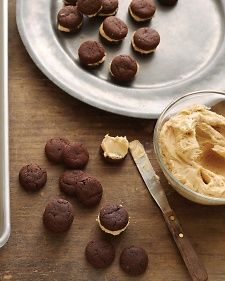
(158, 153)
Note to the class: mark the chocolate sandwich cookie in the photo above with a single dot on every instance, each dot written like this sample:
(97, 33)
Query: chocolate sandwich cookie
(70, 2)
(32, 177)
(89, 8)
(134, 260)
(109, 8)
(123, 68)
(69, 19)
(99, 253)
(58, 215)
(145, 40)
(113, 29)
(54, 149)
(168, 2)
(113, 219)
(91, 53)
(75, 155)
(142, 10)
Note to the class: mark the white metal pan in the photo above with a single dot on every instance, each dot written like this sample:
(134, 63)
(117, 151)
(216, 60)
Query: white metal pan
(4, 143)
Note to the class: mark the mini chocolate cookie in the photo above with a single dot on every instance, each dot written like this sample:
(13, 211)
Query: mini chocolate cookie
(168, 2)
(58, 215)
(123, 68)
(69, 179)
(54, 149)
(32, 177)
(134, 260)
(142, 10)
(70, 2)
(89, 8)
(113, 219)
(109, 8)
(113, 29)
(99, 253)
(69, 19)
(75, 155)
(145, 40)
(88, 190)
(91, 53)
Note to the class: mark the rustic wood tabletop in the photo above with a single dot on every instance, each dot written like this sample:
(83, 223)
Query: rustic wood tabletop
(39, 110)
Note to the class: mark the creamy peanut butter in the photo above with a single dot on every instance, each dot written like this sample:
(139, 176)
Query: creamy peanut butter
(115, 147)
(192, 145)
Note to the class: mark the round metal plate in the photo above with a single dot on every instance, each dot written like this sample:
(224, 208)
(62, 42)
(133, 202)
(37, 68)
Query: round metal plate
(190, 56)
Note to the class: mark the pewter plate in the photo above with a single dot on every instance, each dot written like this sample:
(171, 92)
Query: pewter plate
(191, 55)
(4, 159)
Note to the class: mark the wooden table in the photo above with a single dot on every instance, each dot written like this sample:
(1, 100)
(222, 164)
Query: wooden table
(40, 110)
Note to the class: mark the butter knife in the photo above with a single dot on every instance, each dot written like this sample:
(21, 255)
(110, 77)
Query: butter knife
(193, 264)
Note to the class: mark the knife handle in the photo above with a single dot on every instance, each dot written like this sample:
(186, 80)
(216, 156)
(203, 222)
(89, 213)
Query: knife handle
(196, 269)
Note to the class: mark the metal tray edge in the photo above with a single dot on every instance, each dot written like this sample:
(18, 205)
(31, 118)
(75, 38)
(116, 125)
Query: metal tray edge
(6, 195)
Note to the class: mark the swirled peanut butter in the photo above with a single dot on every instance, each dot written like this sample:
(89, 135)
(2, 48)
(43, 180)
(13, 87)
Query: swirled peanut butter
(192, 145)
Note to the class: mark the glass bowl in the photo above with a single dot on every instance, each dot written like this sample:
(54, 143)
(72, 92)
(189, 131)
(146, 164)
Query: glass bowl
(213, 99)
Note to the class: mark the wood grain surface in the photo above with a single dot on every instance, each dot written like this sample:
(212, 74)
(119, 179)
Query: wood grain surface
(39, 110)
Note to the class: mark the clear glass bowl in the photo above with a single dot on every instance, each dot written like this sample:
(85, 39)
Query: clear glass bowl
(213, 99)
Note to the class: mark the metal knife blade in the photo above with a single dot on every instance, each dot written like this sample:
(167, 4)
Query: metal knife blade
(196, 269)
(149, 176)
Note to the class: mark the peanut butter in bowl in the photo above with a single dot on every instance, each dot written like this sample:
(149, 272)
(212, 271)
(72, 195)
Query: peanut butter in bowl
(192, 146)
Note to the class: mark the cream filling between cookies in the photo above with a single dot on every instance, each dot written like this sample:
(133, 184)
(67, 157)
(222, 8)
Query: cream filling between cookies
(136, 18)
(102, 32)
(115, 232)
(141, 50)
(65, 29)
(115, 147)
(108, 15)
(97, 63)
(95, 14)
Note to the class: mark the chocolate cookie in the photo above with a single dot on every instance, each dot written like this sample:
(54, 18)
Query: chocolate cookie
(109, 8)
(88, 190)
(54, 149)
(70, 2)
(89, 8)
(75, 155)
(168, 2)
(145, 40)
(113, 29)
(58, 215)
(142, 10)
(123, 68)
(68, 181)
(99, 253)
(32, 177)
(113, 219)
(69, 19)
(134, 260)
(91, 53)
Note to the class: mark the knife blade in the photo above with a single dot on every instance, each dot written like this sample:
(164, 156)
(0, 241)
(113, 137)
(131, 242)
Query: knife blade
(148, 174)
(190, 257)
